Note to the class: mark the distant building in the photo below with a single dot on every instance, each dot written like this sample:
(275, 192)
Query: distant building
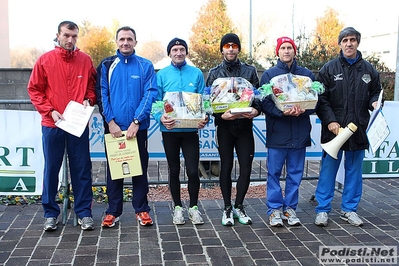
(382, 45)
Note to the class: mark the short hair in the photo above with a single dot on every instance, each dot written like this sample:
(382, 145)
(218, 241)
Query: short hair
(347, 32)
(69, 24)
(125, 28)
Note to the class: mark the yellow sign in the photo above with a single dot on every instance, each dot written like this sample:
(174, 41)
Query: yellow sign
(123, 156)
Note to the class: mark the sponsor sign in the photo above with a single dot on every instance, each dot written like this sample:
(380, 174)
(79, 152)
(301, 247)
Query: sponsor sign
(21, 155)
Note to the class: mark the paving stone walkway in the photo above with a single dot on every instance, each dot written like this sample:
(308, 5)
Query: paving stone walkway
(23, 242)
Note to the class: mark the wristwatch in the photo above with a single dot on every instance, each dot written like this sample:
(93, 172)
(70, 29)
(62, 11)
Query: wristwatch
(136, 121)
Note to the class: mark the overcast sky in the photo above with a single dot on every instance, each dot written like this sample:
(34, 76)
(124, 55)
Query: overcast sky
(33, 23)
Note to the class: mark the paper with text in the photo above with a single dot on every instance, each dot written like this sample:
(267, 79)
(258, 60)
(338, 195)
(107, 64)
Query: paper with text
(76, 118)
(123, 156)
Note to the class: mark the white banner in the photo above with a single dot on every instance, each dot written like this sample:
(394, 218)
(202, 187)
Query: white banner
(21, 153)
(208, 148)
(385, 161)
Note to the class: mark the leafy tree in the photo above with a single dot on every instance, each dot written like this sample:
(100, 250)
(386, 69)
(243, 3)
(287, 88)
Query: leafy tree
(314, 52)
(98, 42)
(212, 23)
(327, 30)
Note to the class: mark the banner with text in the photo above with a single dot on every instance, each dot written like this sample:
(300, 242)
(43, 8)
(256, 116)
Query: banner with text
(208, 147)
(383, 163)
(21, 155)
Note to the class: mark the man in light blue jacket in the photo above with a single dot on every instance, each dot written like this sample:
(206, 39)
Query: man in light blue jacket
(181, 77)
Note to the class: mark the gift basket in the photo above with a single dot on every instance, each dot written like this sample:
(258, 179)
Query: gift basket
(228, 93)
(288, 90)
(185, 107)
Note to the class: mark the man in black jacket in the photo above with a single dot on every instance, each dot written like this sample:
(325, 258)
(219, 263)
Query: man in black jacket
(234, 131)
(352, 88)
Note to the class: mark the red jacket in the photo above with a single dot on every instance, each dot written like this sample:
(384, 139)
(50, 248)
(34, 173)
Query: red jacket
(58, 77)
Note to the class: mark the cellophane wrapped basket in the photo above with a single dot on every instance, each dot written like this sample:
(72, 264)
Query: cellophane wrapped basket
(185, 107)
(228, 93)
(288, 90)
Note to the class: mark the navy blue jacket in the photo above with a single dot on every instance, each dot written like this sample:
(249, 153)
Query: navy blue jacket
(285, 131)
(350, 92)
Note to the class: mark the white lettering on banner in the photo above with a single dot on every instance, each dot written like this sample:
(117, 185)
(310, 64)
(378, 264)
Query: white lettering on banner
(20, 184)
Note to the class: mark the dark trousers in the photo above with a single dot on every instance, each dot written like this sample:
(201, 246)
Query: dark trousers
(243, 142)
(54, 142)
(189, 144)
(140, 183)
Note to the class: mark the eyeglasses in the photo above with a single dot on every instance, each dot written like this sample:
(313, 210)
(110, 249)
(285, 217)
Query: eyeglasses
(228, 46)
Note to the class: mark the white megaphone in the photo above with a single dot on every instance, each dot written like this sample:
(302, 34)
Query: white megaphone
(332, 147)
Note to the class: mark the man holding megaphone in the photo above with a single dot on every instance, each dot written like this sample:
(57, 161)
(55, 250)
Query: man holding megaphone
(352, 86)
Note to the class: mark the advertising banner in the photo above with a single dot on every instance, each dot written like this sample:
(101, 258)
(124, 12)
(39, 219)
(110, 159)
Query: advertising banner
(21, 153)
(208, 146)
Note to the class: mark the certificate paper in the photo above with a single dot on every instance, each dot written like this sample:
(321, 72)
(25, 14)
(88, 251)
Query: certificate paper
(123, 156)
(377, 129)
(76, 117)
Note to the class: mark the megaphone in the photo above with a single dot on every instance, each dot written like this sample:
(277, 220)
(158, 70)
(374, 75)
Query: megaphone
(332, 147)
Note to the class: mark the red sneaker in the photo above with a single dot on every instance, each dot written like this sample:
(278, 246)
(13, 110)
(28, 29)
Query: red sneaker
(109, 220)
(144, 218)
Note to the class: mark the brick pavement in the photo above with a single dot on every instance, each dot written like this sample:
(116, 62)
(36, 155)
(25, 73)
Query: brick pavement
(23, 242)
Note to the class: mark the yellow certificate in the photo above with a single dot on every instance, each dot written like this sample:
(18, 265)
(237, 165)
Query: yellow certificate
(123, 156)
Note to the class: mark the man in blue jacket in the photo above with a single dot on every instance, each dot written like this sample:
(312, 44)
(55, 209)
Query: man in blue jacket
(287, 136)
(128, 89)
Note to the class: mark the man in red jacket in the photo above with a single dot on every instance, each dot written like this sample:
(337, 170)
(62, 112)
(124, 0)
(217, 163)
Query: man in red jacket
(59, 76)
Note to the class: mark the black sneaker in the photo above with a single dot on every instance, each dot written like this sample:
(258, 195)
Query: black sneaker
(239, 213)
(227, 218)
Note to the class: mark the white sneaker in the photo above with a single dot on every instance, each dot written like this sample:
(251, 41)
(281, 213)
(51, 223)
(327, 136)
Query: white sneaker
(50, 224)
(275, 218)
(290, 216)
(227, 218)
(86, 223)
(195, 215)
(239, 213)
(321, 219)
(178, 217)
(351, 217)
